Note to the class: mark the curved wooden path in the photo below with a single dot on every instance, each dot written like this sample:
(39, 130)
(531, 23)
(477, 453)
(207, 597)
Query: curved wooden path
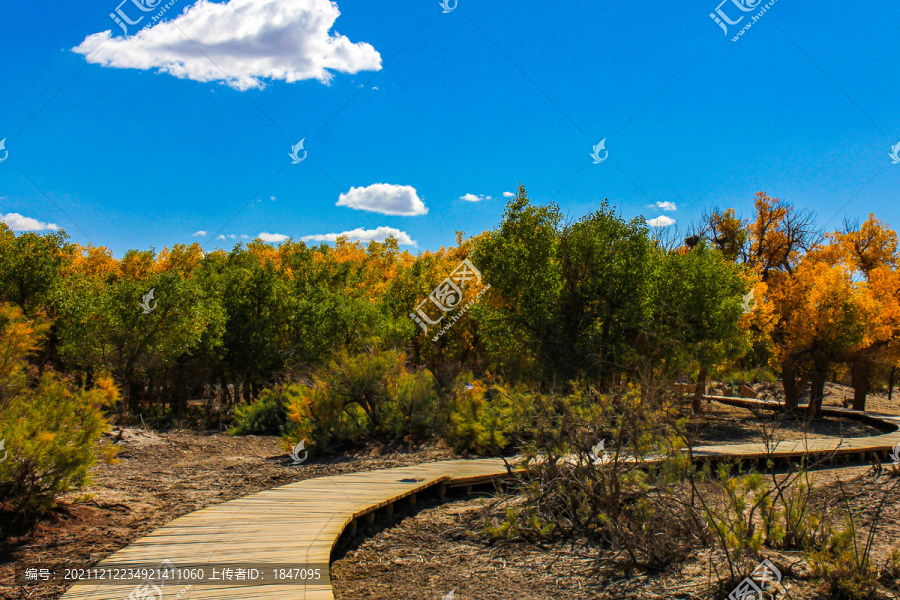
(299, 524)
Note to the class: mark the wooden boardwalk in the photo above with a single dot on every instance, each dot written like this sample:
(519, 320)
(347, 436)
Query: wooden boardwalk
(862, 447)
(299, 524)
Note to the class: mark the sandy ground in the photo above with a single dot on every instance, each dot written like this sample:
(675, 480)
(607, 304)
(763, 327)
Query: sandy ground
(420, 553)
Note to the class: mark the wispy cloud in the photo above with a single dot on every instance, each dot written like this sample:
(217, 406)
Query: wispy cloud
(474, 198)
(200, 233)
(508, 195)
(661, 221)
(666, 206)
(272, 238)
(364, 235)
(17, 222)
(385, 198)
(243, 42)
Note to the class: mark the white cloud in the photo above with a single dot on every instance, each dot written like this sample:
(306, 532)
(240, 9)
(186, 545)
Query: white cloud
(661, 221)
(199, 233)
(508, 195)
(375, 89)
(666, 206)
(386, 199)
(220, 237)
(365, 235)
(474, 198)
(272, 198)
(249, 40)
(17, 222)
(272, 238)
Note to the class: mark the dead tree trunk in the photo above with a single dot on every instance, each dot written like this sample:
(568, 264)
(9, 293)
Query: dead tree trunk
(859, 373)
(699, 392)
(791, 390)
(816, 392)
(891, 384)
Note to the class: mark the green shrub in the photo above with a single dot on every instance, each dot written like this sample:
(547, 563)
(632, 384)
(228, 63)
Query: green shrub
(843, 556)
(575, 488)
(322, 416)
(476, 420)
(849, 573)
(367, 394)
(49, 429)
(411, 406)
(268, 415)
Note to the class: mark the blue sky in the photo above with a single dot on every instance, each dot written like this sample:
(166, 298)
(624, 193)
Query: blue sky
(471, 102)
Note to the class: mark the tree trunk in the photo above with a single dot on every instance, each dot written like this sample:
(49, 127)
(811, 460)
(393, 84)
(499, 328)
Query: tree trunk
(697, 404)
(816, 392)
(791, 390)
(859, 373)
(891, 384)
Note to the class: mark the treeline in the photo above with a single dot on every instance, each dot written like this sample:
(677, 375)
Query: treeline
(598, 298)
(601, 299)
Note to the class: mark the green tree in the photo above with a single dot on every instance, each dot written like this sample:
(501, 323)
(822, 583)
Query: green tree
(697, 312)
(104, 325)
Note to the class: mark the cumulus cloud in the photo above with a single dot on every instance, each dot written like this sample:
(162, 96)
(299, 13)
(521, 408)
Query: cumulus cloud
(661, 221)
(508, 195)
(272, 238)
(386, 199)
(364, 235)
(243, 42)
(17, 222)
(474, 198)
(199, 233)
(666, 206)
